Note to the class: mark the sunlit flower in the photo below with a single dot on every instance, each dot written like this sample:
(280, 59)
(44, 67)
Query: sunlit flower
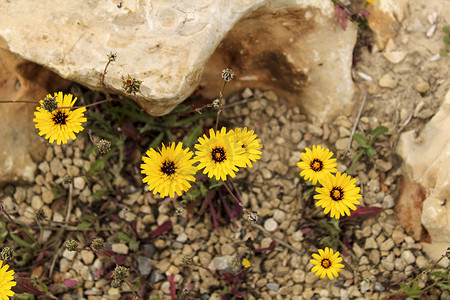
(6, 281)
(326, 263)
(219, 154)
(338, 194)
(60, 124)
(316, 164)
(246, 263)
(247, 140)
(369, 1)
(169, 170)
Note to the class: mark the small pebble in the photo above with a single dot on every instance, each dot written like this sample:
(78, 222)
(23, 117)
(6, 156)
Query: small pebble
(270, 225)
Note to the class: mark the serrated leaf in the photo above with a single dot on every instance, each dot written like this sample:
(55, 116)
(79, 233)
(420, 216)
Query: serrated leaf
(123, 237)
(361, 140)
(134, 245)
(84, 225)
(378, 131)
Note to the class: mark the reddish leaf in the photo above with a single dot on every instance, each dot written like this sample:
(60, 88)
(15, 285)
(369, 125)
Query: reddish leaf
(214, 217)
(115, 218)
(363, 212)
(28, 288)
(172, 286)
(161, 229)
(270, 248)
(120, 259)
(227, 276)
(341, 16)
(305, 230)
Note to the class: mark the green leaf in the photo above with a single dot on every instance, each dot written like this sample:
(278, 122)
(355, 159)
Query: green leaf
(443, 52)
(84, 225)
(447, 39)
(361, 140)
(378, 131)
(446, 30)
(444, 286)
(98, 194)
(134, 245)
(21, 242)
(370, 152)
(191, 119)
(440, 275)
(192, 136)
(123, 237)
(157, 141)
(148, 127)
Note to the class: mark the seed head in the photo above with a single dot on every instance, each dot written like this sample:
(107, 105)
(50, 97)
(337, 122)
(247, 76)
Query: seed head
(104, 146)
(253, 217)
(120, 273)
(185, 291)
(50, 104)
(187, 260)
(115, 283)
(67, 179)
(40, 215)
(131, 85)
(97, 244)
(216, 103)
(72, 245)
(7, 253)
(179, 210)
(235, 263)
(227, 74)
(112, 56)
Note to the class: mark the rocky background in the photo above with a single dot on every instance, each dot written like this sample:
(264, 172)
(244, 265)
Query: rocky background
(405, 85)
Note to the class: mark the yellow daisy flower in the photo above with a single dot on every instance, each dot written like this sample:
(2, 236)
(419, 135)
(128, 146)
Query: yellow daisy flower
(246, 263)
(219, 154)
(169, 170)
(60, 124)
(6, 281)
(326, 263)
(338, 194)
(251, 145)
(317, 163)
(369, 1)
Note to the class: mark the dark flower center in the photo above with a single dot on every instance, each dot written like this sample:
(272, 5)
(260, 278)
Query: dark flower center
(316, 165)
(337, 193)
(60, 118)
(168, 167)
(218, 154)
(325, 263)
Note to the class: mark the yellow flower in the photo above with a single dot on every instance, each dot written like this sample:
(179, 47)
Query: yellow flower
(60, 124)
(338, 194)
(317, 163)
(6, 281)
(169, 170)
(246, 263)
(326, 263)
(251, 145)
(219, 154)
(369, 1)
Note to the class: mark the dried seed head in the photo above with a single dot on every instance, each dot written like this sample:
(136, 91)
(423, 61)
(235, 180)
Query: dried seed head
(112, 56)
(179, 210)
(235, 263)
(67, 179)
(50, 104)
(115, 283)
(253, 217)
(130, 84)
(185, 291)
(216, 103)
(227, 74)
(7, 253)
(187, 260)
(72, 245)
(40, 215)
(97, 244)
(120, 273)
(104, 146)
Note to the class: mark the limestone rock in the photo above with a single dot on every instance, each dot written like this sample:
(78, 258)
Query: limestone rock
(295, 47)
(21, 80)
(384, 17)
(426, 161)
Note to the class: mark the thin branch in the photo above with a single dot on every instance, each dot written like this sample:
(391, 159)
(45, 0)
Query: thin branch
(356, 124)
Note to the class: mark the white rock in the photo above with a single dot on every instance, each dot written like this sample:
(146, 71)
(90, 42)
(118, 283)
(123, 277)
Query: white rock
(167, 44)
(426, 160)
(79, 183)
(270, 225)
